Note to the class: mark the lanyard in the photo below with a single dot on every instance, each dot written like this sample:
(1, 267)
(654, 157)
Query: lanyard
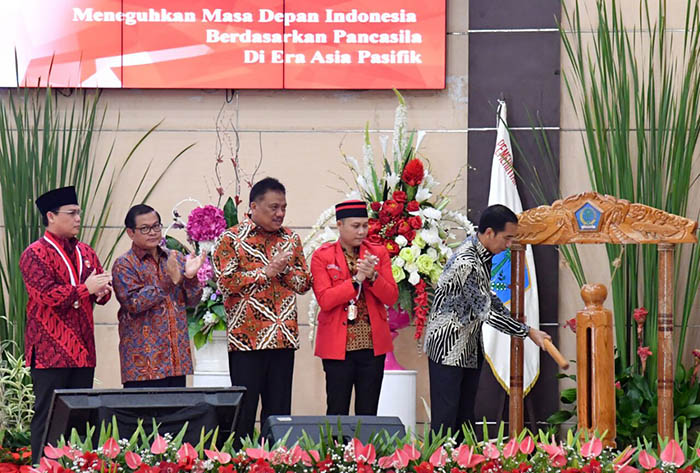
(69, 264)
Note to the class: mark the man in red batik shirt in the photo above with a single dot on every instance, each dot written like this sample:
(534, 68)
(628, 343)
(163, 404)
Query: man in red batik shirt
(64, 278)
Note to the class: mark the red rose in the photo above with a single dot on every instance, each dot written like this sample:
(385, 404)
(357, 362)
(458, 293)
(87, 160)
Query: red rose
(424, 467)
(392, 207)
(392, 247)
(415, 222)
(399, 196)
(404, 227)
(374, 238)
(413, 172)
(413, 206)
(375, 206)
(410, 236)
(391, 230)
(9, 468)
(373, 226)
(384, 216)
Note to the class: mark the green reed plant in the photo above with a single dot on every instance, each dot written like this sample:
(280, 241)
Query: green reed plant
(44, 146)
(638, 97)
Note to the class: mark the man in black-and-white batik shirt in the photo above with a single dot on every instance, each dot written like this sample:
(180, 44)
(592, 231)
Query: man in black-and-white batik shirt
(463, 301)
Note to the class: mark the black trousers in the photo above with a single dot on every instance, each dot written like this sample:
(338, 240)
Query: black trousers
(266, 375)
(168, 382)
(363, 371)
(452, 396)
(45, 381)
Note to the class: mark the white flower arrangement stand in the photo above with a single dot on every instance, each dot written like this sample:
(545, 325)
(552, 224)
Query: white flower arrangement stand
(211, 363)
(398, 397)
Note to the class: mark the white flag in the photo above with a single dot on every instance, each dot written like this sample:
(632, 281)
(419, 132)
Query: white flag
(496, 344)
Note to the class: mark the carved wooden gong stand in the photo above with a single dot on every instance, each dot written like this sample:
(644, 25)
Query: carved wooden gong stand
(595, 218)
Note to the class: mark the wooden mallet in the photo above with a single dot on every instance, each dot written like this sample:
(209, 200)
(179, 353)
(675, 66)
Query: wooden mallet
(556, 354)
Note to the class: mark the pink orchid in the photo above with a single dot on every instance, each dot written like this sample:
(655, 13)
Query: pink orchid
(439, 457)
(133, 460)
(411, 451)
(111, 448)
(527, 445)
(257, 453)
(49, 465)
(364, 453)
(294, 455)
(673, 454)
(466, 458)
(646, 460)
(159, 445)
(592, 448)
(310, 457)
(556, 454)
(511, 448)
(52, 452)
(491, 451)
(400, 458)
(628, 469)
(221, 457)
(625, 457)
(186, 453)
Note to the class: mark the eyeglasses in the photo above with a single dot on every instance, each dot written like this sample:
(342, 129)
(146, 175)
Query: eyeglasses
(154, 228)
(72, 213)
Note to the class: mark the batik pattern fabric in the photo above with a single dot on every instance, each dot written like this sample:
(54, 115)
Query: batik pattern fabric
(60, 331)
(153, 336)
(261, 311)
(359, 330)
(463, 302)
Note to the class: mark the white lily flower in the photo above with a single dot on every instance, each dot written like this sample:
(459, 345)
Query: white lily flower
(419, 137)
(354, 164)
(431, 213)
(430, 235)
(384, 141)
(423, 194)
(392, 179)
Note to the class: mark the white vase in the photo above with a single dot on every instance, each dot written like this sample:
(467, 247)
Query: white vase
(211, 363)
(398, 397)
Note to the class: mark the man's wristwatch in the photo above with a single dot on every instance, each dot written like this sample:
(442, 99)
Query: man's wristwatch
(355, 282)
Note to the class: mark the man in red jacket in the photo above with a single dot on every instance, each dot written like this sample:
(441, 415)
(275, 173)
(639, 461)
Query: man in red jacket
(64, 278)
(353, 284)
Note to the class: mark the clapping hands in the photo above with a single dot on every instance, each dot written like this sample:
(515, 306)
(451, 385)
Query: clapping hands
(366, 267)
(192, 265)
(277, 263)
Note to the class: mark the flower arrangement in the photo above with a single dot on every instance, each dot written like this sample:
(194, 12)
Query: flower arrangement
(204, 224)
(442, 454)
(405, 216)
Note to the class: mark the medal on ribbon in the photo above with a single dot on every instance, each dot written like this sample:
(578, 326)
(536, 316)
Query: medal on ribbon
(73, 273)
